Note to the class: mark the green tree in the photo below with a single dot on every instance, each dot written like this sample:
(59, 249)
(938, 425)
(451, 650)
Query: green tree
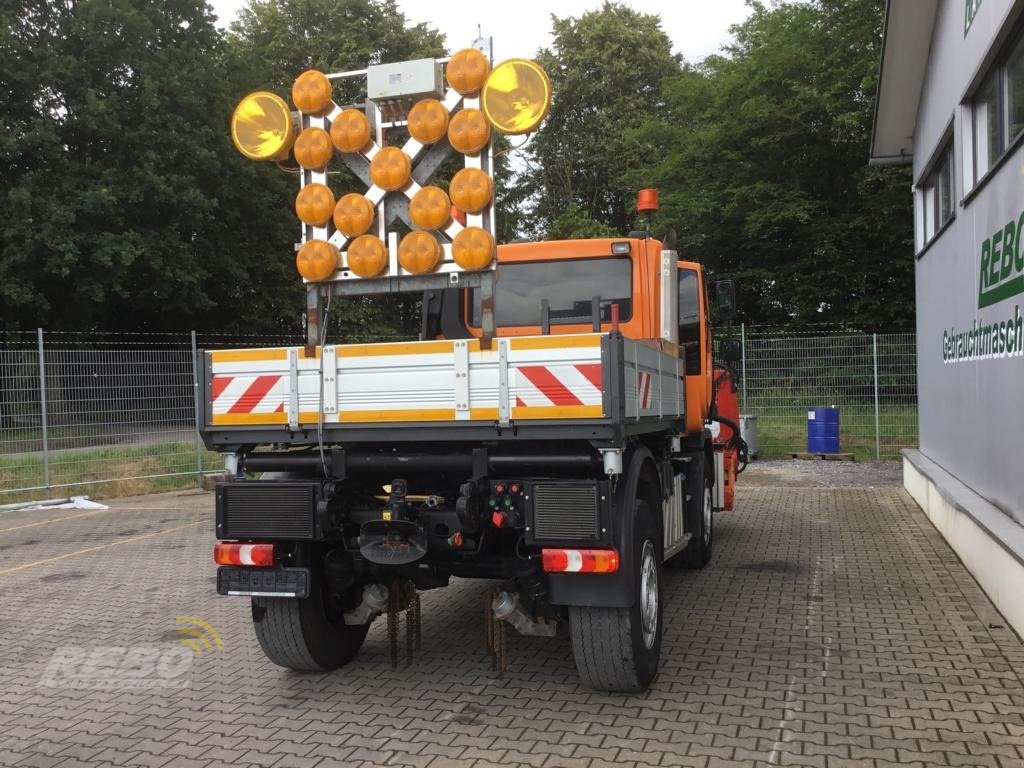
(606, 70)
(762, 166)
(124, 204)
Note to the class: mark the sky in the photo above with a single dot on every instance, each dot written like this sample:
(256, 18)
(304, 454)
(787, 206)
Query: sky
(519, 28)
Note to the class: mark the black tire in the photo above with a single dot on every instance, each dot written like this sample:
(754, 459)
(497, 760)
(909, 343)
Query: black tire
(611, 648)
(299, 634)
(698, 516)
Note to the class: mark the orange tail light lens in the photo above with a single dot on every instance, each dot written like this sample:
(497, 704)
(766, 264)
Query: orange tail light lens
(317, 260)
(419, 252)
(580, 560)
(314, 205)
(473, 248)
(428, 121)
(471, 190)
(469, 131)
(313, 149)
(390, 168)
(311, 93)
(430, 208)
(367, 256)
(353, 215)
(350, 131)
(467, 71)
(235, 553)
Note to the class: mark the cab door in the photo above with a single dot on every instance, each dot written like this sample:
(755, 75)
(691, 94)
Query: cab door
(695, 344)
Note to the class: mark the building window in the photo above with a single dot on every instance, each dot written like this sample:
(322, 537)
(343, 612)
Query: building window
(998, 108)
(937, 193)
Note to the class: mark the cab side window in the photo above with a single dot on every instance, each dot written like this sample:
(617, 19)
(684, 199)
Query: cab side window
(689, 320)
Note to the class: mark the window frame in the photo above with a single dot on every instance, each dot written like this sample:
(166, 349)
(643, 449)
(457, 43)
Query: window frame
(930, 191)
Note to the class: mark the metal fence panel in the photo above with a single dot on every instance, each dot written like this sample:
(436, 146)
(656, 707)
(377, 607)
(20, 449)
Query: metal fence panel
(115, 414)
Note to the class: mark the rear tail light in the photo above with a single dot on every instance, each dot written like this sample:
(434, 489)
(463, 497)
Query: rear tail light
(580, 560)
(234, 553)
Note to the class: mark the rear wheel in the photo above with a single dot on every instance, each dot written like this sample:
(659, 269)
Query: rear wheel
(617, 649)
(307, 634)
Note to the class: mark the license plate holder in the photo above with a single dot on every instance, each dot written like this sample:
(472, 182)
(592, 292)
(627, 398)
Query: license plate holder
(263, 582)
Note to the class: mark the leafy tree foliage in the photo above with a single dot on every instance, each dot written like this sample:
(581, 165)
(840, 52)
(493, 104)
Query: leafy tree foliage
(606, 70)
(762, 165)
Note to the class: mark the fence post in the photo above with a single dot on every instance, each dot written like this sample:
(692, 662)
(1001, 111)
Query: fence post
(196, 414)
(42, 412)
(743, 361)
(878, 434)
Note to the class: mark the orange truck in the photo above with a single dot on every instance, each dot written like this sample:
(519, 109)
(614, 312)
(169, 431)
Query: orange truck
(553, 428)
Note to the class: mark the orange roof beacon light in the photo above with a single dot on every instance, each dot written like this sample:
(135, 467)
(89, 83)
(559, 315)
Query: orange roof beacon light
(262, 127)
(647, 201)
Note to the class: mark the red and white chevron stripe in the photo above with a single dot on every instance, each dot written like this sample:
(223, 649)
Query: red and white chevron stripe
(558, 384)
(643, 388)
(248, 394)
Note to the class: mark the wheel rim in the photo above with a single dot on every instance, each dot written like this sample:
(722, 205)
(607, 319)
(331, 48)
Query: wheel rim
(708, 508)
(649, 594)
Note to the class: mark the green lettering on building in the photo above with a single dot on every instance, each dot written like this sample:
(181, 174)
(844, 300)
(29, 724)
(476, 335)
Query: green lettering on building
(970, 11)
(1002, 264)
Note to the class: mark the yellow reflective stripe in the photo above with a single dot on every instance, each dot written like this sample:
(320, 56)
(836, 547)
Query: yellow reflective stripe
(412, 348)
(556, 342)
(417, 414)
(558, 412)
(229, 419)
(248, 355)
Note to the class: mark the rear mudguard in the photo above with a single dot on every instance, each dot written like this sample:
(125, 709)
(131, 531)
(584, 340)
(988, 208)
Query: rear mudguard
(611, 590)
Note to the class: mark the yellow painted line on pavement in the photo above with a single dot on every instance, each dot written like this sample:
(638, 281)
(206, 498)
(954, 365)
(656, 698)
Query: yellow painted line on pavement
(101, 546)
(55, 520)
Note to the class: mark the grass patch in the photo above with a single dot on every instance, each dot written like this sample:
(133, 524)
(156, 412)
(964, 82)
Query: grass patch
(106, 472)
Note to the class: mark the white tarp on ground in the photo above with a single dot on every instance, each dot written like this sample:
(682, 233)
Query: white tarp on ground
(75, 502)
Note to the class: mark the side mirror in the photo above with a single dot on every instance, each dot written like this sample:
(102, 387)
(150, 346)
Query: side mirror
(730, 350)
(725, 295)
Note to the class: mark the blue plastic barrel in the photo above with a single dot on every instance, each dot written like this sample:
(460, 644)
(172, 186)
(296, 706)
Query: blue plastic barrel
(823, 430)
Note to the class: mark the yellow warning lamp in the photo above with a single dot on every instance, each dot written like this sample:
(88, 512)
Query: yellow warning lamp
(314, 205)
(428, 121)
(313, 149)
(516, 96)
(350, 131)
(419, 252)
(467, 71)
(469, 131)
(317, 260)
(367, 256)
(473, 248)
(390, 168)
(353, 215)
(311, 93)
(471, 190)
(430, 208)
(262, 127)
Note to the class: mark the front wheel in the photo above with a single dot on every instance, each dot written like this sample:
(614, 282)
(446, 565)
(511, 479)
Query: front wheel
(617, 649)
(698, 516)
(305, 634)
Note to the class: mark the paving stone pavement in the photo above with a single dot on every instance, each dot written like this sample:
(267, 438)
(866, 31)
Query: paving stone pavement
(833, 628)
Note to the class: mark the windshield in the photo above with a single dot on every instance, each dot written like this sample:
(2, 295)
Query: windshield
(569, 286)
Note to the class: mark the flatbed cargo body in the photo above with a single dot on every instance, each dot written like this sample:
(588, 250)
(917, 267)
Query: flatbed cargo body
(597, 386)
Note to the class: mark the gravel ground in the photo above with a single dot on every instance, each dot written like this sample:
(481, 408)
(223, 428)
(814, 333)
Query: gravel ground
(805, 473)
